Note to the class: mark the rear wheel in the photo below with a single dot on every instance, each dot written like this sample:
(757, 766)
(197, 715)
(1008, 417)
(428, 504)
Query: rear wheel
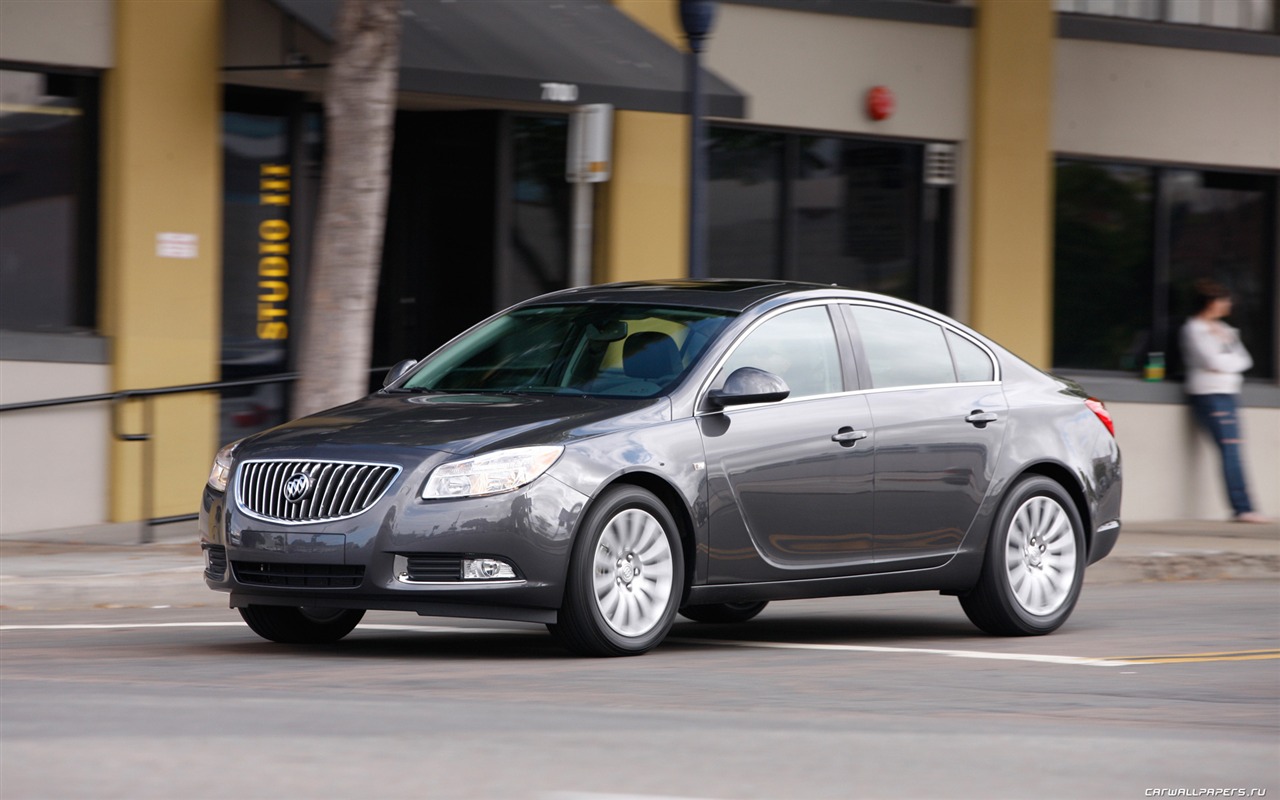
(1034, 566)
(724, 612)
(625, 578)
(289, 625)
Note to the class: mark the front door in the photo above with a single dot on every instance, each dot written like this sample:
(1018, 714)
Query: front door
(790, 483)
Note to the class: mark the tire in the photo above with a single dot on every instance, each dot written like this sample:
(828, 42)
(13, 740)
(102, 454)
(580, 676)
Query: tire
(290, 625)
(1034, 565)
(724, 612)
(626, 577)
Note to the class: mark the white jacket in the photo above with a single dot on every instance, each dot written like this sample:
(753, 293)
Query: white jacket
(1214, 357)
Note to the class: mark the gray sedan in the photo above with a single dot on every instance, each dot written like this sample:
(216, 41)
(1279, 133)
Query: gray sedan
(603, 459)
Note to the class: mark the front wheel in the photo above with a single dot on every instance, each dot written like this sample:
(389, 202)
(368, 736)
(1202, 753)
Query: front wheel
(1034, 565)
(289, 625)
(625, 577)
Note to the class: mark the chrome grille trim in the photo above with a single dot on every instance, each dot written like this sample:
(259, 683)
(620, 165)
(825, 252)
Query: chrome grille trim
(339, 489)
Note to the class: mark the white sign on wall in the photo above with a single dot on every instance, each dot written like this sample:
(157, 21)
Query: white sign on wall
(177, 245)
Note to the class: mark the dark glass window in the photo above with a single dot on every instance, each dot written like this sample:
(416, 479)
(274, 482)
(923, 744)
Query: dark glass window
(857, 214)
(48, 201)
(540, 234)
(1104, 216)
(257, 242)
(270, 145)
(827, 209)
(1129, 242)
(744, 206)
(1223, 226)
(1257, 15)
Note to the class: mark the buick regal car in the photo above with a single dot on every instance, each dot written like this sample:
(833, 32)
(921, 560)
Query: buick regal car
(603, 459)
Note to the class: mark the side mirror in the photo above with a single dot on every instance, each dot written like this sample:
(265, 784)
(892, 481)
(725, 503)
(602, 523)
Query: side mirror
(749, 385)
(398, 371)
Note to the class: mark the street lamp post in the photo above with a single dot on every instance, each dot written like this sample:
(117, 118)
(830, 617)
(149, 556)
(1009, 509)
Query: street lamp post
(697, 17)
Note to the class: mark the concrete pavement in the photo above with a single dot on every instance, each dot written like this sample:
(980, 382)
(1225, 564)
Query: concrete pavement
(105, 567)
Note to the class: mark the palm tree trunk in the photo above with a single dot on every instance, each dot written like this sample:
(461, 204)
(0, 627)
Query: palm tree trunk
(342, 289)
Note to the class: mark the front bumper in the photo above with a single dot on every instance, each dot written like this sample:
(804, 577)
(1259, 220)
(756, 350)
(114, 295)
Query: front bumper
(362, 562)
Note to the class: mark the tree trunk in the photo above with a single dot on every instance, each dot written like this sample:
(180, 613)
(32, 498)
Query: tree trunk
(342, 288)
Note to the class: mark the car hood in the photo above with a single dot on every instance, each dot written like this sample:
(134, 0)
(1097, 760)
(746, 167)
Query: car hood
(461, 423)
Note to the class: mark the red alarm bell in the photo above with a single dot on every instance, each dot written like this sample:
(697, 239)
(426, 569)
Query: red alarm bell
(880, 103)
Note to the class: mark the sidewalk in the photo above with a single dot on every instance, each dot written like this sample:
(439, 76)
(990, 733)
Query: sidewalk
(105, 567)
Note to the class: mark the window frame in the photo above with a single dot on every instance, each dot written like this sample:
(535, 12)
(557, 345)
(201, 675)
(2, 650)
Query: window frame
(1165, 321)
(864, 363)
(84, 317)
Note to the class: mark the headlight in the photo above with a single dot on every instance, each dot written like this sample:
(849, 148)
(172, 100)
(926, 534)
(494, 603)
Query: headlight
(220, 473)
(491, 473)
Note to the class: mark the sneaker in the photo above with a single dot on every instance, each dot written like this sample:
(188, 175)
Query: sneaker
(1253, 517)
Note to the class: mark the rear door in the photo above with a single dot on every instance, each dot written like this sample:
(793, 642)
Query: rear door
(939, 416)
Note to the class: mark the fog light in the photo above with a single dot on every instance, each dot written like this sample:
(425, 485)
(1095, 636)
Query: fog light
(486, 569)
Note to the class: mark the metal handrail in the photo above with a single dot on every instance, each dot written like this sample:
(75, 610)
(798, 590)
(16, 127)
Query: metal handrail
(120, 398)
(283, 377)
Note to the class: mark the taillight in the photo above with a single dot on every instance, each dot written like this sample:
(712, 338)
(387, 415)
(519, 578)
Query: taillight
(1098, 408)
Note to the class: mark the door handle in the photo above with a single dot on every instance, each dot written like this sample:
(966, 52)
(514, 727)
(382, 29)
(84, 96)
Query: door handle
(848, 437)
(979, 418)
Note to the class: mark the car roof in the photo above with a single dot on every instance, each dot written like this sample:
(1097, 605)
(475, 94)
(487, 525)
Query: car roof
(729, 294)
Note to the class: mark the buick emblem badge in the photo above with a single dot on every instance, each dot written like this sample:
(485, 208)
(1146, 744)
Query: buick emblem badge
(297, 487)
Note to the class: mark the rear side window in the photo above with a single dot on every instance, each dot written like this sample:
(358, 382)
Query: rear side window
(972, 362)
(903, 350)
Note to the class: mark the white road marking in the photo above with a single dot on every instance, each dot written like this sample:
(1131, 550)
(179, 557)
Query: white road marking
(976, 654)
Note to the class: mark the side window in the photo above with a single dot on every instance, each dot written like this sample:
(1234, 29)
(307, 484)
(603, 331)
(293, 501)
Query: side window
(799, 345)
(972, 362)
(903, 350)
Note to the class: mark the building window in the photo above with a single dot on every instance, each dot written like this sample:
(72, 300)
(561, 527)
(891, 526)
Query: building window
(745, 203)
(48, 201)
(1129, 242)
(271, 146)
(828, 209)
(540, 225)
(1253, 15)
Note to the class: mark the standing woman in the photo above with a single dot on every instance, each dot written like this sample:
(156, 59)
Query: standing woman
(1216, 360)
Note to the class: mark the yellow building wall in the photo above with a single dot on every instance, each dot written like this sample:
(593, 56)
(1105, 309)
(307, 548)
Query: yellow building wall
(643, 223)
(162, 174)
(1012, 176)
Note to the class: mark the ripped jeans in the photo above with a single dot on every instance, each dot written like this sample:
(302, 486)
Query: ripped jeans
(1217, 414)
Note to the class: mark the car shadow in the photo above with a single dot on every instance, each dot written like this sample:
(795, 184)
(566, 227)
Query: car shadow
(535, 643)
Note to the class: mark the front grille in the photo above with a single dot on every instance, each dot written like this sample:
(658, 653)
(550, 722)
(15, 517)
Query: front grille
(434, 568)
(215, 565)
(297, 492)
(299, 576)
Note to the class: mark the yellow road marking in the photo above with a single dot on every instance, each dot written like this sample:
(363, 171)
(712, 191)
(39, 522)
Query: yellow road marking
(1193, 658)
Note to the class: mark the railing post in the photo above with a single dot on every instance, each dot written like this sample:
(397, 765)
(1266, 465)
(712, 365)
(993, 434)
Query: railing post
(118, 403)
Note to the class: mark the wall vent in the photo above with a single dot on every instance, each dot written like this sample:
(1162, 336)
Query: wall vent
(939, 164)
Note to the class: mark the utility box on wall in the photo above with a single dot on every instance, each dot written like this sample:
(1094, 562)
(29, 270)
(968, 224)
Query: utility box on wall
(590, 144)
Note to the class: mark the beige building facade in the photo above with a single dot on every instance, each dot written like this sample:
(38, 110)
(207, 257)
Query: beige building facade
(1007, 118)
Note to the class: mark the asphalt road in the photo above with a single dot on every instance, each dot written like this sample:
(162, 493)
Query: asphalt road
(1150, 687)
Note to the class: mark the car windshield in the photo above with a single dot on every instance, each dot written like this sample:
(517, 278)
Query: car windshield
(609, 350)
